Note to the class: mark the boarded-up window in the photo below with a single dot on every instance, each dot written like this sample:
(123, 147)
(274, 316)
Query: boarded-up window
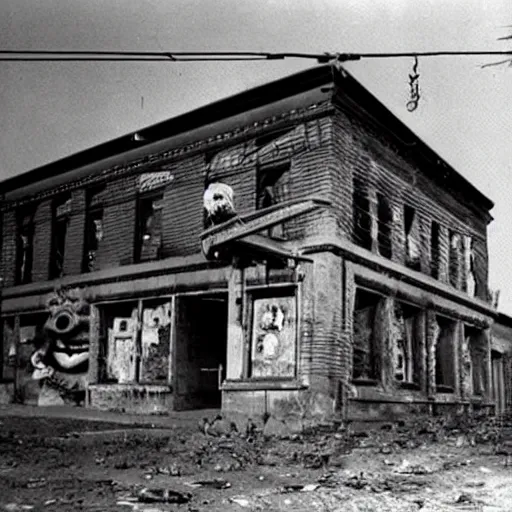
(367, 325)
(469, 266)
(412, 238)
(134, 342)
(362, 220)
(435, 249)
(24, 245)
(445, 330)
(155, 338)
(408, 337)
(60, 220)
(149, 228)
(385, 223)
(274, 337)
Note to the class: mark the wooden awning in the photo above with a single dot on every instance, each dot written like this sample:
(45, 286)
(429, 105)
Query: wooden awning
(240, 233)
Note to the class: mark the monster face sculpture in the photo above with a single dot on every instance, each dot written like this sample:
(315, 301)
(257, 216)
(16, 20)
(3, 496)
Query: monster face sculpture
(62, 358)
(219, 203)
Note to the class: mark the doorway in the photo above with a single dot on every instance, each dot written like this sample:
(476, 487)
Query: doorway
(498, 381)
(200, 350)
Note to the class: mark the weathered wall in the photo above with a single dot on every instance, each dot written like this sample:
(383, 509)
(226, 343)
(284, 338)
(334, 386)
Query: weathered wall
(368, 154)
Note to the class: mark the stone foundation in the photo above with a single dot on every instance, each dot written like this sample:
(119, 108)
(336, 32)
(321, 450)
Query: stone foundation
(131, 398)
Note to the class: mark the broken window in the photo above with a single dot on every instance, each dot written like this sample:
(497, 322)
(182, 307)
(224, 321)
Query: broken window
(60, 220)
(273, 188)
(477, 345)
(469, 266)
(362, 219)
(117, 343)
(274, 337)
(367, 325)
(454, 258)
(93, 230)
(25, 245)
(385, 223)
(412, 238)
(407, 335)
(149, 228)
(435, 249)
(445, 330)
(155, 339)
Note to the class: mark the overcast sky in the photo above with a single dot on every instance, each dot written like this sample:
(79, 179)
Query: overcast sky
(50, 110)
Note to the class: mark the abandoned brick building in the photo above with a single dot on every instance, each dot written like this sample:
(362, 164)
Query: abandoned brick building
(364, 293)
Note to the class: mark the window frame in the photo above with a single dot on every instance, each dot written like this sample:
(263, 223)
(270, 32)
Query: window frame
(59, 221)
(21, 215)
(143, 197)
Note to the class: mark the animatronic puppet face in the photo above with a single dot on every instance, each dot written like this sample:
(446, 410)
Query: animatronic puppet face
(67, 330)
(219, 202)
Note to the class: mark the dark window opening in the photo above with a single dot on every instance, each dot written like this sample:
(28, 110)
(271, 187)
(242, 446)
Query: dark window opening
(149, 228)
(93, 231)
(445, 355)
(412, 238)
(25, 246)
(272, 189)
(477, 346)
(60, 220)
(367, 327)
(435, 249)
(362, 220)
(385, 223)
(408, 334)
(454, 258)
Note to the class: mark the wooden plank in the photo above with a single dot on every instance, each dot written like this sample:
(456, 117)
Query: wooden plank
(241, 227)
(267, 246)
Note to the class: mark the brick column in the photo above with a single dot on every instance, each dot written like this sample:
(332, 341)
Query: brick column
(73, 253)
(8, 258)
(42, 241)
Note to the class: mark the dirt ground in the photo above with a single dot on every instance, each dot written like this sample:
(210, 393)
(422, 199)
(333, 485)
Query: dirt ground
(63, 464)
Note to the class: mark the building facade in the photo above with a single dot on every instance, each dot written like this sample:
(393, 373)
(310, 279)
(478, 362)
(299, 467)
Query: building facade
(372, 305)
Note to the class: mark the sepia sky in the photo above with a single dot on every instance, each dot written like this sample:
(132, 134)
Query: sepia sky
(50, 110)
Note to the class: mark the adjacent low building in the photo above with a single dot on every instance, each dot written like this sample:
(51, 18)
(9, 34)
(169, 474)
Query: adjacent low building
(371, 304)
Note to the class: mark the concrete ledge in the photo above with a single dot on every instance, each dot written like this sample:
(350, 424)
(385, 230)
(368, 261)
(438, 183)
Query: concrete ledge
(131, 398)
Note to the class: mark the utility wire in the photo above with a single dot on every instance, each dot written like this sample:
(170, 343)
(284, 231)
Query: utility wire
(109, 56)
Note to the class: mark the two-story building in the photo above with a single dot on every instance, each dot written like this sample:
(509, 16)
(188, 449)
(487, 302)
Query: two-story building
(371, 305)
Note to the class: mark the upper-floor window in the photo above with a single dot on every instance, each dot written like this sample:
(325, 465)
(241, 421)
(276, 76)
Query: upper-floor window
(362, 220)
(385, 223)
(412, 238)
(61, 209)
(148, 243)
(435, 249)
(93, 229)
(454, 258)
(272, 188)
(24, 245)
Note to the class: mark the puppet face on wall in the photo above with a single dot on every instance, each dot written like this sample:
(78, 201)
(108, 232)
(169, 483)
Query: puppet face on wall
(68, 329)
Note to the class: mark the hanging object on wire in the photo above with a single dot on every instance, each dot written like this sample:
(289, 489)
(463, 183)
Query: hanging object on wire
(414, 87)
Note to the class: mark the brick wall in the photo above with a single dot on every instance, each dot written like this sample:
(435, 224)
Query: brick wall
(9, 248)
(119, 207)
(42, 241)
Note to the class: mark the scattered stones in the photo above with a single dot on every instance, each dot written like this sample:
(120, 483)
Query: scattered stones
(155, 495)
(216, 483)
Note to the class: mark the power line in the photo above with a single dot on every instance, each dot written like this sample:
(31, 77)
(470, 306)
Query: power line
(109, 56)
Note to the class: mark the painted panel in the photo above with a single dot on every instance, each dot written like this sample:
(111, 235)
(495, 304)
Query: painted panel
(274, 341)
